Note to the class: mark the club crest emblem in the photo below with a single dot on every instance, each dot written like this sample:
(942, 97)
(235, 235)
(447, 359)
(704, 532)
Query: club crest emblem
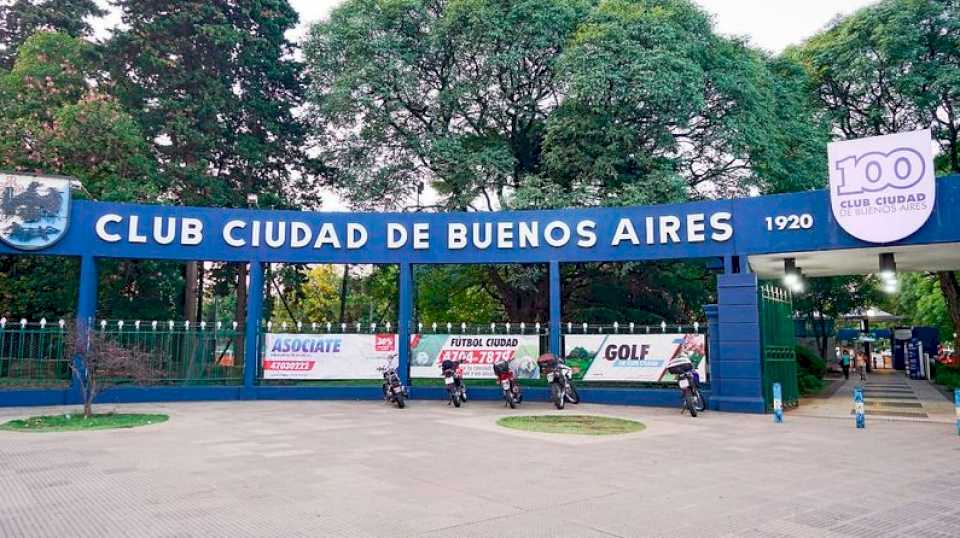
(34, 210)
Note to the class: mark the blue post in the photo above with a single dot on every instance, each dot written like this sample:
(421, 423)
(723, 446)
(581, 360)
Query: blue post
(403, 324)
(956, 402)
(858, 406)
(777, 403)
(251, 342)
(555, 309)
(86, 314)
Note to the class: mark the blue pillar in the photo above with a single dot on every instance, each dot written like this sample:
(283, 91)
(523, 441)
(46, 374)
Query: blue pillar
(405, 313)
(555, 309)
(251, 341)
(86, 312)
(736, 365)
(713, 340)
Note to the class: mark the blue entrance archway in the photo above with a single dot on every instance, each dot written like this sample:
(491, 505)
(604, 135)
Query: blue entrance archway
(734, 232)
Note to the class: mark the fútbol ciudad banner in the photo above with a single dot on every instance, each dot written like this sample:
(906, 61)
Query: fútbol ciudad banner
(327, 356)
(632, 357)
(477, 354)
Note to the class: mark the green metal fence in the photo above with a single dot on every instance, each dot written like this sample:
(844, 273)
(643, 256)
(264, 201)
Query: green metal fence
(778, 343)
(34, 354)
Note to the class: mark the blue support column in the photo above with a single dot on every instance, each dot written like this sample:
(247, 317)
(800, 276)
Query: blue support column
(555, 309)
(405, 313)
(86, 312)
(713, 340)
(251, 341)
(736, 365)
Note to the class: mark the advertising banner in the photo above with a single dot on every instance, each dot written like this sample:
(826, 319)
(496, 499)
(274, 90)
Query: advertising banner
(632, 357)
(326, 356)
(476, 352)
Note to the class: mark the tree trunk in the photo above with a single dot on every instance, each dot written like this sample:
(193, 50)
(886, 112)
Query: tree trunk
(821, 334)
(190, 291)
(199, 317)
(240, 313)
(951, 293)
(343, 293)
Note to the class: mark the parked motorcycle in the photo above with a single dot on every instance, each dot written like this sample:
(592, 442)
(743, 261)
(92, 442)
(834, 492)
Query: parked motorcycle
(512, 393)
(393, 389)
(453, 380)
(560, 376)
(689, 381)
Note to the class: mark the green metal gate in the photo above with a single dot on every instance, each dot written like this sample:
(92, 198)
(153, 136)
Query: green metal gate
(778, 344)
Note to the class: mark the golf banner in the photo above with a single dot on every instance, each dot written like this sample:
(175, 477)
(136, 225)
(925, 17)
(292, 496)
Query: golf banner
(477, 354)
(326, 356)
(632, 357)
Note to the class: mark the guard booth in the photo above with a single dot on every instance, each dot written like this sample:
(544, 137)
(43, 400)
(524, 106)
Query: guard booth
(884, 203)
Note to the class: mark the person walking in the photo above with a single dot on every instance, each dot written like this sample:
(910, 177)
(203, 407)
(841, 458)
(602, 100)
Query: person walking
(845, 363)
(862, 365)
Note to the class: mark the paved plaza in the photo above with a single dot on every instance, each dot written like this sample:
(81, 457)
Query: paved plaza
(358, 469)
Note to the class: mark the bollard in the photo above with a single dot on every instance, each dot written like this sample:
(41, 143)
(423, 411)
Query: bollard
(956, 401)
(777, 403)
(858, 406)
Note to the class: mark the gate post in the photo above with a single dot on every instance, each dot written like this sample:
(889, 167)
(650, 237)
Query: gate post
(736, 365)
(251, 341)
(405, 313)
(86, 313)
(555, 309)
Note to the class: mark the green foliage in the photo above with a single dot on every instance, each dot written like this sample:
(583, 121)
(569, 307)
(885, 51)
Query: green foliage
(920, 301)
(948, 377)
(828, 298)
(214, 85)
(19, 19)
(455, 294)
(59, 122)
(810, 371)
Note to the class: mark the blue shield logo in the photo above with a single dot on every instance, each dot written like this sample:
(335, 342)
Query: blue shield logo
(34, 210)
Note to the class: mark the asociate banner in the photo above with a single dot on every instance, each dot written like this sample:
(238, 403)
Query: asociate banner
(327, 356)
(632, 357)
(476, 352)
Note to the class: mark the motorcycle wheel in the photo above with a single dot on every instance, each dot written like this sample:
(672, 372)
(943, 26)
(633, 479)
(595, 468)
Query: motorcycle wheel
(455, 398)
(691, 405)
(511, 401)
(400, 403)
(572, 395)
(698, 402)
(558, 399)
(463, 395)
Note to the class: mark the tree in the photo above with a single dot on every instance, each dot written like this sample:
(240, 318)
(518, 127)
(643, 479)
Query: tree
(215, 85)
(540, 103)
(20, 19)
(57, 121)
(890, 67)
(921, 302)
(99, 363)
(829, 298)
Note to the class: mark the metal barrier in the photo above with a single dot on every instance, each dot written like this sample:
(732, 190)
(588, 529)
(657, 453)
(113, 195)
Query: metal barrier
(778, 345)
(34, 354)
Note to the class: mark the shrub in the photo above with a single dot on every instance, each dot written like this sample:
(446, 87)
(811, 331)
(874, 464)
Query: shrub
(809, 384)
(948, 377)
(809, 361)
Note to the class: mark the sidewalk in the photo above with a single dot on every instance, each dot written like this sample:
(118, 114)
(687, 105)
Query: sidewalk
(886, 395)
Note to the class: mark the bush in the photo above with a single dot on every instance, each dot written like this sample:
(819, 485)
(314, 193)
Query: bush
(810, 362)
(809, 384)
(948, 377)
(810, 371)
